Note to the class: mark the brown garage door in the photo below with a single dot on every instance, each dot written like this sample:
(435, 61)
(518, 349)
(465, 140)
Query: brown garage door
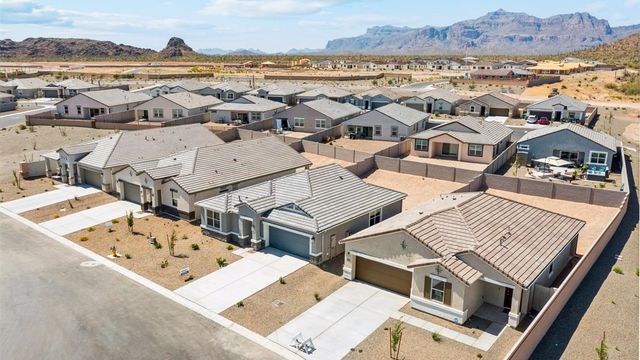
(384, 276)
(499, 112)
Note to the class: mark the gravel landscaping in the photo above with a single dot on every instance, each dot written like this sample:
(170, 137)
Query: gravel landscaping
(367, 146)
(272, 307)
(70, 206)
(473, 327)
(9, 191)
(319, 160)
(146, 260)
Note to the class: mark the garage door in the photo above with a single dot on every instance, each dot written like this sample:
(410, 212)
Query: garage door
(131, 192)
(419, 107)
(384, 276)
(499, 112)
(288, 241)
(92, 178)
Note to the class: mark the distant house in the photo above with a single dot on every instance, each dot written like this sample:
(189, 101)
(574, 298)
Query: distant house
(27, 88)
(246, 109)
(86, 105)
(175, 106)
(72, 87)
(317, 115)
(573, 143)
(558, 108)
(190, 85)
(483, 65)
(377, 97)
(284, 93)
(462, 253)
(434, 101)
(7, 88)
(291, 213)
(95, 162)
(521, 64)
(491, 104)
(467, 139)
(325, 92)
(229, 91)
(392, 122)
(154, 90)
(501, 74)
(172, 184)
(7, 102)
(560, 68)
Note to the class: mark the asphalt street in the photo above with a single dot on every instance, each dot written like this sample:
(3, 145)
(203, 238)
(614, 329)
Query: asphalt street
(18, 118)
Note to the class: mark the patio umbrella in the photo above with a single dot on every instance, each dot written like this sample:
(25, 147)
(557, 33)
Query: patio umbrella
(553, 161)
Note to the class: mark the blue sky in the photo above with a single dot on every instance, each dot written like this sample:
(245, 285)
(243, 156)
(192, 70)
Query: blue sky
(270, 25)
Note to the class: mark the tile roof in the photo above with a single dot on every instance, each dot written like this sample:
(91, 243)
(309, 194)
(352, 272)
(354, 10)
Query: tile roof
(332, 109)
(279, 89)
(114, 97)
(386, 92)
(27, 83)
(189, 85)
(597, 137)
(249, 103)
(400, 113)
(231, 86)
(190, 100)
(445, 95)
(326, 91)
(481, 131)
(571, 103)
(76, 84)
(496, 100)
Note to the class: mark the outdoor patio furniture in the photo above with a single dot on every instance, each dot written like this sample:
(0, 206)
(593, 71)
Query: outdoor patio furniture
(308, 347)
(297, 341)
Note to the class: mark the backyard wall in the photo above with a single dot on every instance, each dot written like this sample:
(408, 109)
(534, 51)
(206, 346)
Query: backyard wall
(427, 170)
(501, 159)
(32, 169)
(117, 117)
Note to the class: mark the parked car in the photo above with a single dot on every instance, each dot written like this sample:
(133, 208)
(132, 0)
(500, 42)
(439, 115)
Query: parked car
(531, 119)
(543, 121)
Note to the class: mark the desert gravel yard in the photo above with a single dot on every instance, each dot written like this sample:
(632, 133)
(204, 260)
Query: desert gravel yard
(319, 160)
(68, 207)
(367, 146)
(9, 191)
(446, 162)
(146, 259)
(269, 309)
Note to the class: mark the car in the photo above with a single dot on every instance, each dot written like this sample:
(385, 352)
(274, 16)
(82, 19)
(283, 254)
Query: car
(531, 119)
(543, 121)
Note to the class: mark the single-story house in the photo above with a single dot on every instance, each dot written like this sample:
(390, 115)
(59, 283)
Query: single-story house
(317, 115)
(95, 162)
(560, 68)
(491, 104)
(521, 64)
(7, 102)
(175, 106)
(377, 97)
(190, 85)
(466, 139)
(325, 92)
(89, 104)
(229, 91)
(434, 101)
(502, 74)
(459, 253)
(72, 87)
(7, 88)
(392, 122)
(483, 65)
(558, 108)
(173, 184)
(283, 92)
(154, 90)
(27, 88)
(246, 109)
(571, 142)
(305, 214)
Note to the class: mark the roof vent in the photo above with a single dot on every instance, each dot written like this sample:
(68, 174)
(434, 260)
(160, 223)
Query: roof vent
(234, 159)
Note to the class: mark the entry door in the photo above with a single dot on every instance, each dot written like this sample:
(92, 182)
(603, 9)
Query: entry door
(508, 295)
(429, 107)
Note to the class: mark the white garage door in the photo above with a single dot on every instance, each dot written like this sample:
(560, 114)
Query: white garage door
(92, 178)
(131, 192)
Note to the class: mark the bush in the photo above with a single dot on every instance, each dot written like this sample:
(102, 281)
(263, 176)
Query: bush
(195, 247)
(84, 238)
(185, 237)
(157, 245)
(222, 262)
(240, 304)
(22, 127)
(229, 247)
(618, 270)
(317, 296)
(115, 221)
(127, 256)
(282, 281)
(91, 229)
(164, 264)
(436, 337)
(55, 216)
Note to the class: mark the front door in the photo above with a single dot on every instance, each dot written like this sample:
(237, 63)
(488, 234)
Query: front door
(429, 107)
(508, 296)
(482, 110)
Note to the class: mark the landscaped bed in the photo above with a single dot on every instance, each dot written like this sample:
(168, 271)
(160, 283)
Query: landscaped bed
(10, 191)
(272, 307)
(146, 260)
(70, 206)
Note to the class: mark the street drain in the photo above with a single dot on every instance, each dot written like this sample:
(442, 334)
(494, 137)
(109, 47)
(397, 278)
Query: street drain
(89, 263)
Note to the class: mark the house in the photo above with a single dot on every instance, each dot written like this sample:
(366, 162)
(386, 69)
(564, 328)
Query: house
(284, 93)
(501, 74)
(175, 106)
(559, 108)
(71, 87)
(305, 214)
(154, 90)
(465, 252)
(27, 88)
(467, 139)
(483, 65)
(571, 142)
(229, 91)
(94, 162)
(377, 97)
(491, 104)
(246, 109)
(392, 122)
(7, 88)
(86, 105)
(325, 92)
(317, 115)
(172, 184)
(434, 101)
(521, 64)
(7, 102)
(560, 68)
(190, 85)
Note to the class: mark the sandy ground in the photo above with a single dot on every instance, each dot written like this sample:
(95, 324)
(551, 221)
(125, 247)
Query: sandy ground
(473, 327)
(64, 208)
(319, 160)
(596, 217)
(9, 191)
(269, 309)
(145, 258)
(367, 146)
(296, 134)
(17, 145)
(448, 163)
(632, 132)
(419, 189)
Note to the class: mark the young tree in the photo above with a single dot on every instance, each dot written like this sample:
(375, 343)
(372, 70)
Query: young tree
(16, 180)
(171, 242)
(130, 221)
(603, 349)
(395, 340)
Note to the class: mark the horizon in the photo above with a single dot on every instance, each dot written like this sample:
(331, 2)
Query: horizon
(263, 25)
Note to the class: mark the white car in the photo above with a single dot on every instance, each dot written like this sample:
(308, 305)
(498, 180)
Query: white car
(531, 119)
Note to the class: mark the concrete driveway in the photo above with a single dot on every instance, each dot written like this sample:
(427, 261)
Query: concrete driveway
(342, 320)
(90, 217)
(62, 193)
(239, 280)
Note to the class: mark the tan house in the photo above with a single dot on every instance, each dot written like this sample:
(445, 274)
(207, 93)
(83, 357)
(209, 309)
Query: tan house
(246, 109)
(466, 253)
(89, 104)
(175, 106)
(468, 139)
(491, 104)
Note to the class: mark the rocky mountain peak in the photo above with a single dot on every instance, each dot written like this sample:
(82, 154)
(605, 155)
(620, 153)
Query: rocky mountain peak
(176, 47)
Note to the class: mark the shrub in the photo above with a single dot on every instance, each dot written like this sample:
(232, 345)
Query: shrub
(603, 349)
(229, 247)
(22, 127)
(185, 237)
(222, 262)
(282, 281)
(84, 238)
(436, 337)
(55, 216)
(240, 304)
(164, 264)
(115, 221)
(130, 221)
(189, 278)
(317, 296)
(127, 256)
(157, 245)
(91, 229)
(618, 270)
(195, 247)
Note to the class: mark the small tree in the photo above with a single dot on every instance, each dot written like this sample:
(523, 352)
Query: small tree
(603, 349)
(517, 164)
(16, 180)
(171, 241)
(130, 221)
(395, 340)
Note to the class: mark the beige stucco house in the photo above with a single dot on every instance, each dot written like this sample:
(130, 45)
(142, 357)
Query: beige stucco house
(175, 106)
(86, 105)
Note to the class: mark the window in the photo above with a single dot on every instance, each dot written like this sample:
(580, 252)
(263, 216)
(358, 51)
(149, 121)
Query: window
(101, 111)
(421, 145)
(598, 157)
(321, 123)
(230, 96)
(176, 113)
(394, 131)
(333, 240)
(79, 109)
(213, 219)
(298, 122)
(575, 156)
(572, 115)
(377, 130)
(66, 109)
(475, 150)
(437, 290)
(375, 217)
(472, 108)
(523, 147)
(158, 113)
(174, 198)
(256, 116)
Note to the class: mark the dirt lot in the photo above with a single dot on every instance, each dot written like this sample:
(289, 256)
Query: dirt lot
(596, 217)
(419, 189)
(448, 163)
(146, 259)
(367, 146)
(71, 206)
(319, 160)
(9, 191)
(266, 311)
(296, 134)
(17, 145)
